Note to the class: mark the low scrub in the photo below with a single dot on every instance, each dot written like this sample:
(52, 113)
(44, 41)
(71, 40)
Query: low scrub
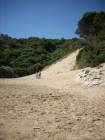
(87, 57)
(27, 56)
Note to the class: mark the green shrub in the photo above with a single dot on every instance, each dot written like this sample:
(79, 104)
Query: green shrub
(88, 57)
(34, 68)
(21, 71)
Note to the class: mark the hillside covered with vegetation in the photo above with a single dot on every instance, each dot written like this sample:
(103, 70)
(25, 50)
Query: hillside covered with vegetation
(28, 55)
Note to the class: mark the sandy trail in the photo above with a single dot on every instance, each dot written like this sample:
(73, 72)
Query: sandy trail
(55, 107)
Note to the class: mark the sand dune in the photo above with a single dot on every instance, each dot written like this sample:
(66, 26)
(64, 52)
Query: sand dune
(59, 106)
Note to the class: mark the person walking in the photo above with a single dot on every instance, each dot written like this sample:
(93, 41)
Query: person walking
(38, 71)
(39, 74)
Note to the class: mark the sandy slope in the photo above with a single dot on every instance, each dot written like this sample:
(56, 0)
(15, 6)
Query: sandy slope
(55, 107)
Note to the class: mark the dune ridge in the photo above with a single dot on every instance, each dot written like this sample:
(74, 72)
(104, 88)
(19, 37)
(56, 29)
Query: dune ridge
(65, 104)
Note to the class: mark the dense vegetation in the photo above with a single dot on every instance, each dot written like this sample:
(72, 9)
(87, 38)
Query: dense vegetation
(27, 56)
(91, 28)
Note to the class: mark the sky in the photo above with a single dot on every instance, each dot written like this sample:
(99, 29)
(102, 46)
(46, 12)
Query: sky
(44, 18)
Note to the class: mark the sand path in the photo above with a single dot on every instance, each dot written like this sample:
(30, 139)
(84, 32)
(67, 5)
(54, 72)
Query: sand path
(55, 107)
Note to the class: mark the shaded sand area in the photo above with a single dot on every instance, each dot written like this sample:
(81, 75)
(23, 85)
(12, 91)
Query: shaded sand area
(55, 107)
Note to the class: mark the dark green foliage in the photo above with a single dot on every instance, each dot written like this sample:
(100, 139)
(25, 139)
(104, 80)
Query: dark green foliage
(27, 56)
(91, 24)
(34, 68)
(6, 72)
(49, 46)
(92, 28)
(88, 57)
(21, 71)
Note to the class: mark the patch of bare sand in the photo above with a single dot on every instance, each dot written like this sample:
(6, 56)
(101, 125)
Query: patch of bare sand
(55, 107)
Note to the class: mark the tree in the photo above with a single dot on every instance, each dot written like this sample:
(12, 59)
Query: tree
(91, 28)
(91, 24)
